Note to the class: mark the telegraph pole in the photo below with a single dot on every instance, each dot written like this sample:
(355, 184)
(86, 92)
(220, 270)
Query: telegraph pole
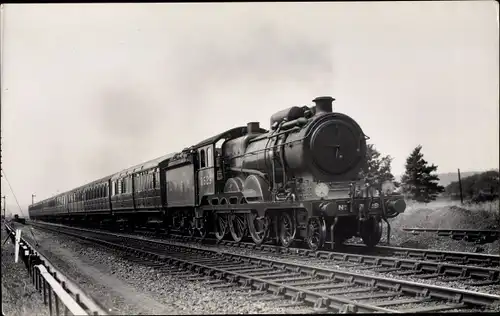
(460, 186)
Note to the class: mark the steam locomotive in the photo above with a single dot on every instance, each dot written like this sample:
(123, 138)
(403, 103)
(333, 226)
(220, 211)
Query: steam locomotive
(296, 181)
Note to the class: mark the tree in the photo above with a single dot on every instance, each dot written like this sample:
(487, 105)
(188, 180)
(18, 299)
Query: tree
(377, 168)
(483, 185)
(418, 181)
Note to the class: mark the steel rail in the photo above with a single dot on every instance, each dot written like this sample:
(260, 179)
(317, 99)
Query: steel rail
(423, 263)
(156, 250)
(473, 235)
(425, 268)
(464, 258)
(470, 258)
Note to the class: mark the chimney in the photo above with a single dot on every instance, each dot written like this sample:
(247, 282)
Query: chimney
(253, 128)
(324, 104)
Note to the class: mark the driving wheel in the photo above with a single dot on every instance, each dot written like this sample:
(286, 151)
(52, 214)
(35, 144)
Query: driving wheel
(258, 227)
(221, 224)
(238, 226)
(287, 229)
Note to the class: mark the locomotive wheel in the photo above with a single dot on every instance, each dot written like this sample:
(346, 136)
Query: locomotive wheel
(259, 228)
(316, 233)
(287, 230)
(371, 231)
(191, 227)
(238, 226)
(220, 226)
(202, 231)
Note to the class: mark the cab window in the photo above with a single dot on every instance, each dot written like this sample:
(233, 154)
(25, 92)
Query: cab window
(202, 159)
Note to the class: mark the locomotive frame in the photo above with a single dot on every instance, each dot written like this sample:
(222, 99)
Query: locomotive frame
(209, 188)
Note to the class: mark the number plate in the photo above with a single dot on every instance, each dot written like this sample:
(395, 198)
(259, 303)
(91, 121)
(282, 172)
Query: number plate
(343, 207)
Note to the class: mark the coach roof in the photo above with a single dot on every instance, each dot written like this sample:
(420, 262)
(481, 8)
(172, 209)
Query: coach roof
(143, 166)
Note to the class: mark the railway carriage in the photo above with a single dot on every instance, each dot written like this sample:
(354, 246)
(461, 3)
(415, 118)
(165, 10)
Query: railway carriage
(297, 180)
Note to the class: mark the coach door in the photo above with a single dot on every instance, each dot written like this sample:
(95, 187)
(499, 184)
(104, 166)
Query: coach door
(206, 183)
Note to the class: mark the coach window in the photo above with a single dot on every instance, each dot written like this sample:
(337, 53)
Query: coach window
(157, 172)
(136, 179)
(209, 157)
(202, 158)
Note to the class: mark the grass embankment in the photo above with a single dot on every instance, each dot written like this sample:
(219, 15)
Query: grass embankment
(19, 296)
(446, 215)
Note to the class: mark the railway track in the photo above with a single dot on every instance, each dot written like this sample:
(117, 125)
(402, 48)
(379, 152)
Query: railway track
(471, 235)
(472, 269)
(271, 279)
(462, 258)
(478, 270)
(61, 294)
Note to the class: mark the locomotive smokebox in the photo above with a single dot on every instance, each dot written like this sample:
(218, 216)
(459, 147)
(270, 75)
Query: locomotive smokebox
(324, 104)
(253, 128)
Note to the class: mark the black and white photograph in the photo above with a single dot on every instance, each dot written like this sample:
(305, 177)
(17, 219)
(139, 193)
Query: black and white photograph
(179, 158)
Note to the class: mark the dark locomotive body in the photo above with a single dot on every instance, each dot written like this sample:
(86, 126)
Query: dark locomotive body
(296, 181)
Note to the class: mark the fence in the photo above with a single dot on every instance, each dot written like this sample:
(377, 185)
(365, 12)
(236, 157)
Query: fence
(59, 293)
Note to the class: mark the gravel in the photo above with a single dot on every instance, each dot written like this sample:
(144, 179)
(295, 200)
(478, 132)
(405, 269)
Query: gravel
(19, 296)
(329, 264)
(445, 215)
(128, 287)
(186, 297)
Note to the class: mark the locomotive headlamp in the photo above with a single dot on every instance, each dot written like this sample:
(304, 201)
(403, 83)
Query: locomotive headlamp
(322, 190)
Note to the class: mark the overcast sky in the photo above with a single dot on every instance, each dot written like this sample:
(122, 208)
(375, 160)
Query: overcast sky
(88, 90)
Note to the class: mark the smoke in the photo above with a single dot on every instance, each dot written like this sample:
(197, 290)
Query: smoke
(145, 114)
